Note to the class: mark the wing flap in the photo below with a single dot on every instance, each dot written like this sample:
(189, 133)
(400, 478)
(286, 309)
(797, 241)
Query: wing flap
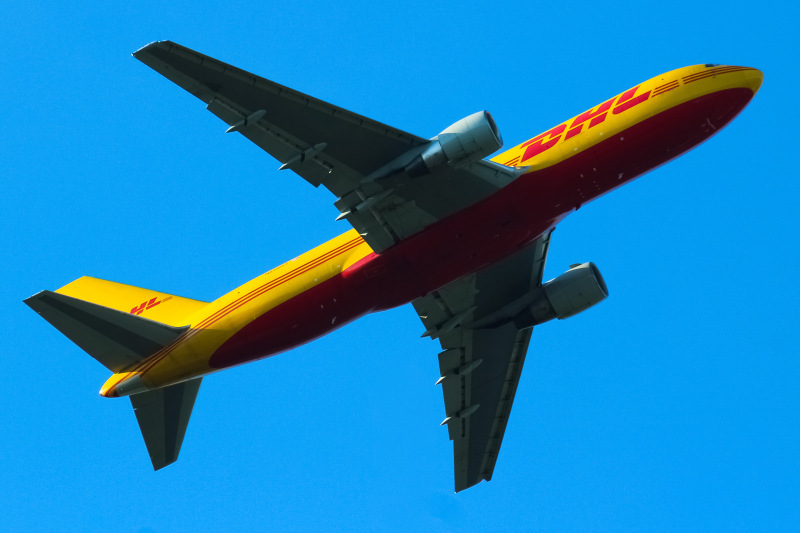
(347, 134)
(358, 159)
(494, 386)
(481, 367)
(452, 386)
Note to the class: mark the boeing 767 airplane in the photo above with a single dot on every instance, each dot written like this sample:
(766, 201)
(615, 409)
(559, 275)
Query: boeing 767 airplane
(462, 238)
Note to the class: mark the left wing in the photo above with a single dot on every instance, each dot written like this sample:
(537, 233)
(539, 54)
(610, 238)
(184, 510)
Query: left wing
(358, 159)
(481, 367)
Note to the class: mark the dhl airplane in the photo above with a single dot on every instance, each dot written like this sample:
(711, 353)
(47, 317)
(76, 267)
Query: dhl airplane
(463, 238)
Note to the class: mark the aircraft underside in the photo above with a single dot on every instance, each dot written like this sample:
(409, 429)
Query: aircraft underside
(462, 238)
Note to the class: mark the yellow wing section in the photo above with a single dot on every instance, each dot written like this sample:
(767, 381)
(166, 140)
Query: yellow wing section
(154, 305)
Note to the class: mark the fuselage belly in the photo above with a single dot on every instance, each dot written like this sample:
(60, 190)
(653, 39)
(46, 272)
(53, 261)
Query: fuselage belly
(567, 166)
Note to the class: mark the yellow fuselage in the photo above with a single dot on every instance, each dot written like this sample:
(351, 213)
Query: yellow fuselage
(343, 279)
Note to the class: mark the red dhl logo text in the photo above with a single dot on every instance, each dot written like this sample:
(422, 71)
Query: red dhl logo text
(593, 117)
(149, 304)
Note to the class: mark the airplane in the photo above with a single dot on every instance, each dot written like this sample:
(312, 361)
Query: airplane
(435, 223)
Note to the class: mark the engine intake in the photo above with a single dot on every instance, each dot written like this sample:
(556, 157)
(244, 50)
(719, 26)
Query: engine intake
(468, 140)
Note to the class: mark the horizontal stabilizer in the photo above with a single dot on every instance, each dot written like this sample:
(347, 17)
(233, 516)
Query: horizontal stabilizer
(115, 338)
(155, 305)
(163, 415)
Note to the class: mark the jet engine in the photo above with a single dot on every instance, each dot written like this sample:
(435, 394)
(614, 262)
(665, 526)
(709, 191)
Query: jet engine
(468, 140)
(576, 290)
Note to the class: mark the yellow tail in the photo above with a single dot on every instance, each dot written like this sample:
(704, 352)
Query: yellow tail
(159, 306)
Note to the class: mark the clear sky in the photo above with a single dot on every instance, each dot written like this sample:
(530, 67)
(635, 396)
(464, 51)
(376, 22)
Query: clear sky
(672, 406)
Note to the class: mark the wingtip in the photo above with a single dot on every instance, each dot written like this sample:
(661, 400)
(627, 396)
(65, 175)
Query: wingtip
(138, 51)
(27, 301)
(31, 301)
(149, 46)
(464, 484)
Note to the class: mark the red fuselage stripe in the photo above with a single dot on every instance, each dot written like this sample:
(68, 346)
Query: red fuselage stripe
(277, 282)
(484, 233)
(713, 72)
(302, 269)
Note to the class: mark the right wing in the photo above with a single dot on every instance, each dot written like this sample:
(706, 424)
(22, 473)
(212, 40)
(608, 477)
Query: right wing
(330, 146)
(481, 367)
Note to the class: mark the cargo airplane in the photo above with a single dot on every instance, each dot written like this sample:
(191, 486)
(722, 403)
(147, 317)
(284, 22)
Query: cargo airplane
(462, 238)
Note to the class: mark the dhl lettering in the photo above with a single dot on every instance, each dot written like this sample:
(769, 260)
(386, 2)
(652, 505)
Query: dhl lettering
(538, 144)
(547, 140)
(627, 100)
(597, 116)
(139, 309)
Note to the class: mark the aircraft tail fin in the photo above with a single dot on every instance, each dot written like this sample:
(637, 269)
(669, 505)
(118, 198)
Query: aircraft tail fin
(117, 339)
(121, 325)
(117, 324)
(163, 415)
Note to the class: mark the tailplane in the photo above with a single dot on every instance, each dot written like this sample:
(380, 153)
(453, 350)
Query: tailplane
(121, 326)
(155, 305)
(117, 324)
(118, 340)
(163, 415)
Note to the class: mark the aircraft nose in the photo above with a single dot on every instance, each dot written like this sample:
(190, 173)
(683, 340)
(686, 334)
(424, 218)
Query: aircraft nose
(729, 77)
(754, 78)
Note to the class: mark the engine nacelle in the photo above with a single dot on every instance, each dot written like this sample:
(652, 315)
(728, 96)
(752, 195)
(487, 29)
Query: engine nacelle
(574, 291)
(468, 140)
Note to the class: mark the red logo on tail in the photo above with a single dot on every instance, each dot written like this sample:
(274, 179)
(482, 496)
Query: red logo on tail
(138, 310)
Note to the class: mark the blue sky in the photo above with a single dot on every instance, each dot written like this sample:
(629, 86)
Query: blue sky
(672, 406)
